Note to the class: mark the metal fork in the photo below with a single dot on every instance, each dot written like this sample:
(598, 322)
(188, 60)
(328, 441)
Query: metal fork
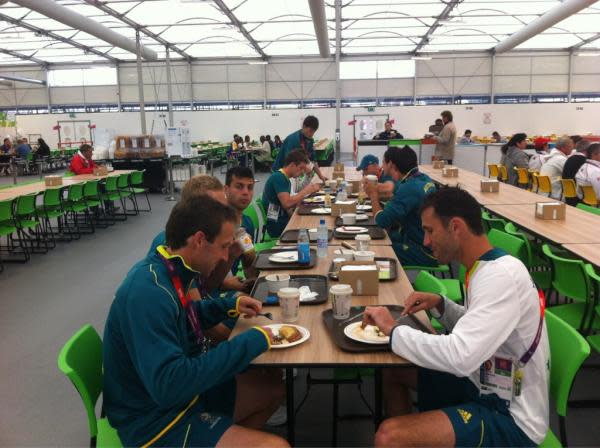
(267, 315)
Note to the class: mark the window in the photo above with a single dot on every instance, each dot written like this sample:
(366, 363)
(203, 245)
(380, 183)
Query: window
(377, 69)
(93, 76)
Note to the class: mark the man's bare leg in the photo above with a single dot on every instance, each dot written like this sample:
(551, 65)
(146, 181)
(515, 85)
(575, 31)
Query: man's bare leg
(431, 428)
(259, 394)
(396, 385)
(243, 437)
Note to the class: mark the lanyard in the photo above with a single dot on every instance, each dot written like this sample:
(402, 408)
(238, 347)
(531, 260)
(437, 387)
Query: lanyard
(538, 335)
(185, 302)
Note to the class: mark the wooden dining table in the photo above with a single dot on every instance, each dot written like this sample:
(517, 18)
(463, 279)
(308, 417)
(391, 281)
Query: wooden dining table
(589, 252)
(320, 350)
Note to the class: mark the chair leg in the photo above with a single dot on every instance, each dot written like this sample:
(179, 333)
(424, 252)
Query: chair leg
(335, 414)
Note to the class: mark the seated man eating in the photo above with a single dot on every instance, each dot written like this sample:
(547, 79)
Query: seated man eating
(163, 383)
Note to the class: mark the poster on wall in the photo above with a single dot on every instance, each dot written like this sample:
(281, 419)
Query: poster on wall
(487, 118)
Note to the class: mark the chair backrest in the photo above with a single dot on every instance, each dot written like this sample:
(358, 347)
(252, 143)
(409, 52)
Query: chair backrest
(90, 189)
(6, 210)
(508, 243)
(26, 205)
(512, 230)
(111, 184)
(426, 282)
(523, 176)
(589, 208)
(122, 181)
(493, 170)
(137, 178)
(544, 184)
(589, 195)
(568, 350)
(80, 360)
(52, 197)
(253, 212)
(503, 173)
(534, 180)
(492, 223)
(569, 188)
(75, 192)
(568, 276)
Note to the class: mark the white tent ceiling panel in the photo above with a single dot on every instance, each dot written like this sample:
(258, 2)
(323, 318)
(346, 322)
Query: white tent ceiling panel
(471, 85)
(280, 72)
(586, 65)
(210, 92)
(27, 97)
(394, 87)
(586, 83)
(246, 91)
(511, 84)
(221, 50)
(319, 71)
(284, 90)
(356, 88)
(549, 84)
(472, 66)
(320, 89)
(99, 94)
(435, 67)
(512, 65)
(209, 73)
(434, 86)
(67, 95)
(246, 73)
(550, 65)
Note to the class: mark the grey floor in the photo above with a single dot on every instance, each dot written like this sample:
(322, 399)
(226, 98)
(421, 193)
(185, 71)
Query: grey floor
(45, 301)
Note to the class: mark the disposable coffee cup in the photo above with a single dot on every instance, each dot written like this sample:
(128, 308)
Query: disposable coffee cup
(277, 281)
(348, 218)
(372, 178)
(289, 301)
(362, 242)
(341, 300)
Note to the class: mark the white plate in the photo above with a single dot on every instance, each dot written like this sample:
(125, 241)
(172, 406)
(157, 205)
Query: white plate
(362, 217)
(275, 329)
(353, 331)
(314, 200)
(321, 211)
(284, 257)
(364, 208)
(352, 230)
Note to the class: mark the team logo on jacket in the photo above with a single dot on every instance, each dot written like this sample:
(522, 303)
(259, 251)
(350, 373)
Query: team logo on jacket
(466, 416)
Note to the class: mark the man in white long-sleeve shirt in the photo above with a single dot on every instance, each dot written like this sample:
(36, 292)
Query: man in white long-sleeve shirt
(486, 382)
(555, 162)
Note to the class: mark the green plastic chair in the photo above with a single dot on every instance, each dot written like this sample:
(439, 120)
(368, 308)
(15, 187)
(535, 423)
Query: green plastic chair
(455, 287)
(110, 195)
(425, 282)
(51, 208)
(80, 360)
(569, 278)
(256, 212)
(136, 180)
(589, 208)
(508, 243)
(492, 223)
(568, 351)
(124, 188)
(595, 312)
(8, 227)
(538, 266)
(27, 220)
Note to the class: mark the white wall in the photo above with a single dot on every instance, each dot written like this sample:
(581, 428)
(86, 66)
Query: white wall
(412, 121)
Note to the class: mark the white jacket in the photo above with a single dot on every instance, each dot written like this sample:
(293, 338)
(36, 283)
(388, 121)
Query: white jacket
(589, 174)
(501, 316)
(553, 168)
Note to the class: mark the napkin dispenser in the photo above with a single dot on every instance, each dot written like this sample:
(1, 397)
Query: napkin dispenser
(53, 181)
(355, 185)
(338, 175)
(363, 276)
(450, 171)
(490, 186)
(550, 210)
(439, 164)
(339, 208)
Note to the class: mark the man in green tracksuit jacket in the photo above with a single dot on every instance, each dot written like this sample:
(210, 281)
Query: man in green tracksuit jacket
(163, 383)
(401, 216)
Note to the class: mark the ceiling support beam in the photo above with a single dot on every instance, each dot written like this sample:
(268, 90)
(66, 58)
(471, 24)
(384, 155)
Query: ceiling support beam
(319, 17)
(21, 79)
(123, 18)
(54, 36)
(585, 42)
(542, 23)
(62, 14)
(443, 16)
(234, 20)
(338, 82)
(16, 54)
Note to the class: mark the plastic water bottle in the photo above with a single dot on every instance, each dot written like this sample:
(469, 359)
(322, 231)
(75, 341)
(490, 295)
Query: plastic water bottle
(322, 236)
(303, 247)
(342, 194)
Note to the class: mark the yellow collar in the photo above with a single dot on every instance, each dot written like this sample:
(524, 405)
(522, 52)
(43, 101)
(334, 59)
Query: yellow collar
(163, 251)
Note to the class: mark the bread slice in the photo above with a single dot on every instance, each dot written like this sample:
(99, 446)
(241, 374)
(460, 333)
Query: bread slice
(289, 333)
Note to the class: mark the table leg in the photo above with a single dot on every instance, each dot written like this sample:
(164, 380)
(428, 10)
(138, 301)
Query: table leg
(378, 396)
(291, 414)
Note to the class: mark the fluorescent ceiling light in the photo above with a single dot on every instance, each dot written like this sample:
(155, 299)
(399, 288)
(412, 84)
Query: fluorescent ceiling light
(258, 63)
(421, 58)
(588, 55)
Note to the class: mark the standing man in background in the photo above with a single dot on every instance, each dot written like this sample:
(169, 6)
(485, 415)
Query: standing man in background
(444, 149)
(302, 139)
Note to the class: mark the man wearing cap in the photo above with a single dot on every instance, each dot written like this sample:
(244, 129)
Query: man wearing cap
(389, 133)
(369, 165)
(541, 151)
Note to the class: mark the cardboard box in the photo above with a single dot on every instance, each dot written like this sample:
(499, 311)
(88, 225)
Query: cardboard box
(338, 167)
(355, 185)
(338, 209)
(338, 175)
(450, 171)
(53, 181)
(363, 282)
(490, 186)
(550, 210)
(439, 164)
(100, 170)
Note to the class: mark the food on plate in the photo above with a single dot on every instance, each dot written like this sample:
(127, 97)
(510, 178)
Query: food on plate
(287, 335)
(370, 333)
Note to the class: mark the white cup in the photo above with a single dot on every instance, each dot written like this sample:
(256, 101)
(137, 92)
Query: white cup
(341, 300)
(348, 218)
(346, 254)
(332, 184)
(362, 242)
(277, 281)
(289, 301)
(364, 255)
(372, 178)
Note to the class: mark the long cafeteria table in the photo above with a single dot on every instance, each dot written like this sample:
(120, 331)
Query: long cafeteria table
(589, 252)
(320, 350)
(467, 180)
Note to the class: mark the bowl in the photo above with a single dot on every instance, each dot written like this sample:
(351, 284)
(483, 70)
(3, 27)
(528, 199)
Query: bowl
(348, 218)
(277, 281)
(364, 255)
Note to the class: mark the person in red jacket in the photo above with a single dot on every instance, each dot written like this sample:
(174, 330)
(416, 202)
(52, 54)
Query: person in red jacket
(82, 163)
